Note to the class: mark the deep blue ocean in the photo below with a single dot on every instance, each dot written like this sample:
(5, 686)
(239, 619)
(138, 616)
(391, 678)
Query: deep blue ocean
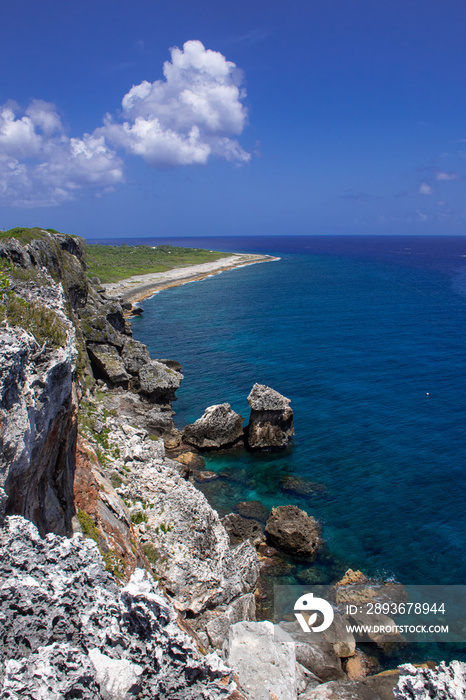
(366, 336)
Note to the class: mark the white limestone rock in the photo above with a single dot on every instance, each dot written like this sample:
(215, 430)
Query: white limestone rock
(264, 660)
(442, 683)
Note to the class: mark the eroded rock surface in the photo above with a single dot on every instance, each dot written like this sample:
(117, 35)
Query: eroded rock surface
(373, 688)
(108, 361)
(159, 381)
(264, 660)
(271, 422)
(315, 653)
(442, 683)
(292, 530)
(241, 529)
(219, 427)
(134, 355)
(68, 631)
(181, 535)
(38, 408)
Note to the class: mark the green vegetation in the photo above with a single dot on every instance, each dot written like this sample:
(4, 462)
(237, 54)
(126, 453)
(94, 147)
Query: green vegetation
(15, 274)
(88, 526)
(152, 554)
(116, 480)
(25, 235)
(138, 518)
(114, 564)
(111, 263)
(87, 417)
(45, 325)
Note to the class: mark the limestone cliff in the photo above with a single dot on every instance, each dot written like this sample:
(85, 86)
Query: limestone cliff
(42, 375)
(38, 405)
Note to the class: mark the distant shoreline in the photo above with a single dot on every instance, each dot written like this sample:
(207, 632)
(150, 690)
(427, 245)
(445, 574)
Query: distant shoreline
(140, 287)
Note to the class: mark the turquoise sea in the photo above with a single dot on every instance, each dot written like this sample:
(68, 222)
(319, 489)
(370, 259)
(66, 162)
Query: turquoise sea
(366, 336)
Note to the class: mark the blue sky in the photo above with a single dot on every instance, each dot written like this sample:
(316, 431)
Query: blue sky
(150, 118)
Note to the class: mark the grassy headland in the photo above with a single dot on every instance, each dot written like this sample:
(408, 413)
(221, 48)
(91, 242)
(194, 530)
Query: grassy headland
(111, 263)
(26, 235)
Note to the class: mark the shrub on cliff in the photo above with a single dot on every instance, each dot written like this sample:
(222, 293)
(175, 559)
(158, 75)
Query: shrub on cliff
(45, 325)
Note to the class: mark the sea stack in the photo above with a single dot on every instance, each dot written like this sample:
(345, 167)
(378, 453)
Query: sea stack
(271, 422)
(219, 427)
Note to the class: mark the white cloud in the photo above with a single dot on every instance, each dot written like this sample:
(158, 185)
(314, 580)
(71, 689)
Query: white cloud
(187, 117)
(440, 175)
(421, 215)
(41, 166)
(425, 189)
(194, 113)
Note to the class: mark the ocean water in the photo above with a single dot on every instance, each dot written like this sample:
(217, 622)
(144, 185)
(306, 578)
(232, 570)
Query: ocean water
(366, 336)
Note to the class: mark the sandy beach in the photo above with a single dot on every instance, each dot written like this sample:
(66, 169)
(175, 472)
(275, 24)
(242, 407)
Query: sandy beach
(141, 287)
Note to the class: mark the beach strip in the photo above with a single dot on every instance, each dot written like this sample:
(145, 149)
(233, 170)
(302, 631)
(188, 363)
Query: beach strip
(141, 287)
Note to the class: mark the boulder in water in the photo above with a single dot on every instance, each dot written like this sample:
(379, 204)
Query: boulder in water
(271, 422)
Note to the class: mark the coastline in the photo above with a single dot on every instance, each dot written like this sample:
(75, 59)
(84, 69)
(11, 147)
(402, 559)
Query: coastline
(140, 287)
(144, 522)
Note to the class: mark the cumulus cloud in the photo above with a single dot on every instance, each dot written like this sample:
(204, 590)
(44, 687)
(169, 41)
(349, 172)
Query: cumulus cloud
(425, 188)
(193, 113)
(441, 175)
(41, 166)
(189, 116)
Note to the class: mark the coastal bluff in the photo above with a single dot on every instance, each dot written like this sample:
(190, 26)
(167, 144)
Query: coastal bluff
(118, 580)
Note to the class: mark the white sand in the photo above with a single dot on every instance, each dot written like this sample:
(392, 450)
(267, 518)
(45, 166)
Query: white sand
(141, 287)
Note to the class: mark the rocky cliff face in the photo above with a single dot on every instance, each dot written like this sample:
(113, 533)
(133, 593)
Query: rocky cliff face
(130, 501)
(54, 323)
(38, 407)
(186, 544)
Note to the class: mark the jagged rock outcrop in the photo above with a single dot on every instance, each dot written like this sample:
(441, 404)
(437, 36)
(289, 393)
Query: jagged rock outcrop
(442, 683)
(271, 422)
(315, 652)
(157, 419)
(109, 363)
(63, 257)
(112, 354)
(218, 626)
(264, 659)
(240, 529)
(159, 382)
(134, 355)
(189, 546)
(103, 516)
(294, 531)
(181, 535)
(217, 428)
(38, 407)
(68, 631)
